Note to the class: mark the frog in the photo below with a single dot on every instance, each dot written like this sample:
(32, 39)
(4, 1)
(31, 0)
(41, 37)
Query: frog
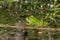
(32, 20)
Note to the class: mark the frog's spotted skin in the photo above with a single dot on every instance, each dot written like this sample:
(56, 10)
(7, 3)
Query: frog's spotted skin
(35, 22)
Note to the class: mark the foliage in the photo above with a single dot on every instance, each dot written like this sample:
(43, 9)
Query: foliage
(42, 11)
(33, 13)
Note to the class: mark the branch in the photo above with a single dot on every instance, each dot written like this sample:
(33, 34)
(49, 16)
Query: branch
(38, 28)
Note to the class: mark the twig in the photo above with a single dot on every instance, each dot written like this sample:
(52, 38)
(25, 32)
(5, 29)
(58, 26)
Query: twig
(27, 27)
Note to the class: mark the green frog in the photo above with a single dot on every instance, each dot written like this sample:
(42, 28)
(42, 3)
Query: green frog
(35, 21)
